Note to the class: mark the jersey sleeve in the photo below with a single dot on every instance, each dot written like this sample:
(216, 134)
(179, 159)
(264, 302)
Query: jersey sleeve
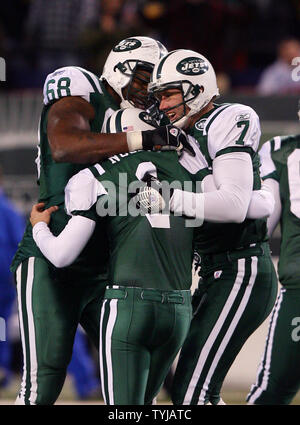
(268, 169)
(82, 193)
(70, 81)
(235, 128)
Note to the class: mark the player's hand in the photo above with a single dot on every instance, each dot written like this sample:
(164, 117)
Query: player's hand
(38, 213)
(149, 198)
(168, 137)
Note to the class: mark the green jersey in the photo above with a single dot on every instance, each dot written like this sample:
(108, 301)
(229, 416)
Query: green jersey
(225, 129)
(280, 159)
(149, 250)
(53, 177)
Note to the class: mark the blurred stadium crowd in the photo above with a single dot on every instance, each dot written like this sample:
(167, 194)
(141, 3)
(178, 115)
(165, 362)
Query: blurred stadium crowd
(241, 38)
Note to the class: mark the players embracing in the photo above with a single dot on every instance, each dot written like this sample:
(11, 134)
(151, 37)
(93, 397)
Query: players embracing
(237, 287)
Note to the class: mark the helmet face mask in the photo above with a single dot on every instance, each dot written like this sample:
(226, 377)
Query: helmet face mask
(128, 63)
(135, 93)
(188, 93)
(190, 72)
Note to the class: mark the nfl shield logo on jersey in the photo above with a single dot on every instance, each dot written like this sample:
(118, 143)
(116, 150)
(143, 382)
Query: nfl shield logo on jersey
(217, 274)
(174, 131)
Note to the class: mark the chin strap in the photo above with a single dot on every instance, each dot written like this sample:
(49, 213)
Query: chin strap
(181, 122)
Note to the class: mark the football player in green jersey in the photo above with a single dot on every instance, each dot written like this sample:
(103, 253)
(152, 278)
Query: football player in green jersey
(52, 302)
(278, 377)
(146, 310)
(237, 288)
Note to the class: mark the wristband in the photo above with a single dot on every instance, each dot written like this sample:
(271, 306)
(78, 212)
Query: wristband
(134, 140)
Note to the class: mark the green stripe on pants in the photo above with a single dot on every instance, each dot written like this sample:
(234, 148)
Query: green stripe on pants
(139, 342)
(50, 311)
(236, 298)
(278, 377)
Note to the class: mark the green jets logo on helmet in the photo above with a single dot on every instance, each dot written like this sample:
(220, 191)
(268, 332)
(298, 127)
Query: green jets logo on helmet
(127, 44)
(192, 66)
(144, 116)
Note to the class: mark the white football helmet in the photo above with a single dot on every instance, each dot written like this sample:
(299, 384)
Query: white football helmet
(124, 59)
(129, 119)
(190, 72)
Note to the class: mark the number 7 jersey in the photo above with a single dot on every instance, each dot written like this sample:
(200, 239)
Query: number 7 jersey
(229, 128)
(280, 159)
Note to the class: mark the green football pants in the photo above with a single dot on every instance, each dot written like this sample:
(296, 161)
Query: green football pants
(141, 332)
(49, 313)
(278, 378)
(234, 297)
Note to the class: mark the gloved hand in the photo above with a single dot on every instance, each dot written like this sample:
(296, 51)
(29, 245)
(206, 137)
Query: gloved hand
(149, 197)
(168, 137)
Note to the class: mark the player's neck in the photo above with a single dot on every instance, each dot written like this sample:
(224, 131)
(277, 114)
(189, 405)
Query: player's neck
(194, 118)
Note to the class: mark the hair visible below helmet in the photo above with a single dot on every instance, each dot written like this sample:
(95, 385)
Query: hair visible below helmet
(124, 59)
(190, 72)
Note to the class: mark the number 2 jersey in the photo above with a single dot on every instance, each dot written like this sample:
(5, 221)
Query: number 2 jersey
(280, 159)
(53, 177)
(229, 128)
(152, 250)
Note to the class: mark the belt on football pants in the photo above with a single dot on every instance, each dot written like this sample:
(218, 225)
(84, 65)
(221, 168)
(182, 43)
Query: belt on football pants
(254, 250)
(164, 297)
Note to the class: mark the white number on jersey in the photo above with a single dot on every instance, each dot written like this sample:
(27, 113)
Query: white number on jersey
(231, 126)
(70, 81)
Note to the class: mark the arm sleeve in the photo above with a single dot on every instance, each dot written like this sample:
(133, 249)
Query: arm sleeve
(274, 218)
(63, 249)
(268, 168)
(261, 202)
(233, 177)
(271, 178)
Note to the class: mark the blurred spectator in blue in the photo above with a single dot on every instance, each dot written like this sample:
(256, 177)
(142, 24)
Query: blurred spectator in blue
(280, 77)
(83, 370)
(12, 225)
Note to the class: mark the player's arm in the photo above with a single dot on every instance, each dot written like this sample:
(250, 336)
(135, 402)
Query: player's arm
(274, 218)
(261, 203)
(67, 92)
(271, 178)
(229, 203)
(70, 135)
(233, 136)
(71, 139)
(81, 194)
(63, 249)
